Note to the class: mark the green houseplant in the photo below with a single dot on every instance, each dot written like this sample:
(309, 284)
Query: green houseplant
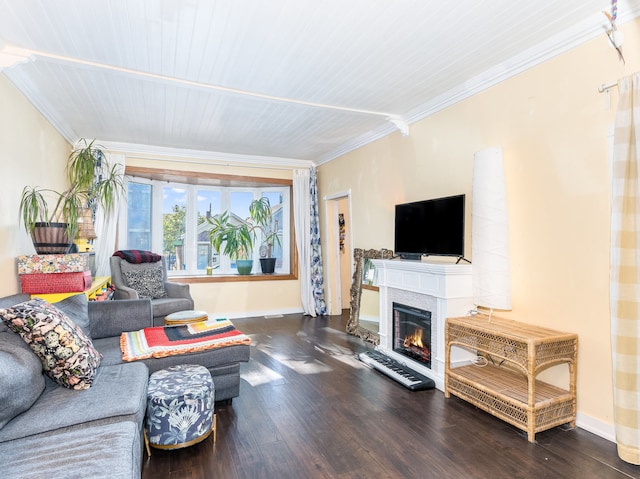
(237, 240)
(51, 217)
(262, 215)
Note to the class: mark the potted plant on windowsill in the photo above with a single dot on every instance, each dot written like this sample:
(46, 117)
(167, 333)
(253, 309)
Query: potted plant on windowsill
(237, 240)
(51, 217)
(262, 215)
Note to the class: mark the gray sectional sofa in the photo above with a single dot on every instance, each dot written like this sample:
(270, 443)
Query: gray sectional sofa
(47, 430)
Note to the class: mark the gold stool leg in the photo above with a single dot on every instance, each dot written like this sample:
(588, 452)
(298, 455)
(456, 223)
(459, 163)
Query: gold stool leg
(215, 429)
(146, 442)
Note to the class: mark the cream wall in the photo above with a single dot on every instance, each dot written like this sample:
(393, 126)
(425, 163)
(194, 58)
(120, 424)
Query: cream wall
(552, 125)
(32, 153)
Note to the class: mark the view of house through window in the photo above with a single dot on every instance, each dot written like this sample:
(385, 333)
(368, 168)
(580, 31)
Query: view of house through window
(174, 219)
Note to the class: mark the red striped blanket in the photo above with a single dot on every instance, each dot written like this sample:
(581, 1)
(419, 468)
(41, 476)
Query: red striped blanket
(162, 341)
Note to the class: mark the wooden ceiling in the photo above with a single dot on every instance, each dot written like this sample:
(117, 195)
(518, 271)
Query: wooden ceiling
(288, 79)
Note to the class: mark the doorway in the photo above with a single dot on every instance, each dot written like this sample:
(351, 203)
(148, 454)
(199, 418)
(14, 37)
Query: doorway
(339, 266)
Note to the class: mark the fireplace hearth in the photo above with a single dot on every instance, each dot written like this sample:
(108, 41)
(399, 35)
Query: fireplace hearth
(412, 333)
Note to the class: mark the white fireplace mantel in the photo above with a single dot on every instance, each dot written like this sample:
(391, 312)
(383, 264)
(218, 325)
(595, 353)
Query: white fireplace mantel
(445, 289)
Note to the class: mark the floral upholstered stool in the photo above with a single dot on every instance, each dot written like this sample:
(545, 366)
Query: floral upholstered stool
(180, 402)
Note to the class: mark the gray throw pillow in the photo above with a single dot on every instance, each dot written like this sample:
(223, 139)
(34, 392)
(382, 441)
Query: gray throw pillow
(148, 282)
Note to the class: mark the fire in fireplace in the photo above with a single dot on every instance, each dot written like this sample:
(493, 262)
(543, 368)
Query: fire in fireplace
(412, 333)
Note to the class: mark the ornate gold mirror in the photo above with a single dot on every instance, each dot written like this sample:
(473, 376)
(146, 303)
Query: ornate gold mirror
(364, 309)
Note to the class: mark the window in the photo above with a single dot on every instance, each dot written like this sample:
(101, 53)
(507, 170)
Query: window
(139, 216)
(173, 218)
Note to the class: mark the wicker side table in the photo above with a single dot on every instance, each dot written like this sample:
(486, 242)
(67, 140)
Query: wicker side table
(507, 386)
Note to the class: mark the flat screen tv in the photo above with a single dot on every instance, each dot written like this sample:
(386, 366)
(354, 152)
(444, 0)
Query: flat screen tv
(430, 227)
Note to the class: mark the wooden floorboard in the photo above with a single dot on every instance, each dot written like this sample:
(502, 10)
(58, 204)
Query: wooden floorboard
(309, 409)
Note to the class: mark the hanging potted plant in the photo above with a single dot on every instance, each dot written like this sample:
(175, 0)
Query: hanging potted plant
(51, 217)
(237, 240)
(262, 215)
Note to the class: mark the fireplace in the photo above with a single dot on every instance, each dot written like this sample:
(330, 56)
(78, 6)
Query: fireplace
(442, 289)
(412, 333)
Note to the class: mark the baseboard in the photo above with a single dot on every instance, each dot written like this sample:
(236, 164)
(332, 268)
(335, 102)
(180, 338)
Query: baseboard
(597, 427)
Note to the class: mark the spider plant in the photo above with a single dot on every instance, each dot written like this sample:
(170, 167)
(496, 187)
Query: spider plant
(93, 183)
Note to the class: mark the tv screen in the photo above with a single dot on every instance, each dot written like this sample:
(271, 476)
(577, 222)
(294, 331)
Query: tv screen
(430, 227)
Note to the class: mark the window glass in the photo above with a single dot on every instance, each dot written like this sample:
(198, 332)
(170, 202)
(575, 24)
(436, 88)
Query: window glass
(139, 216)
(174, 226)
(239, 202)
(209, 206)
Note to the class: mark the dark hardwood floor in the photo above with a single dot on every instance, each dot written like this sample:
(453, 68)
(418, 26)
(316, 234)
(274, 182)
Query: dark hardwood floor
(309, 409)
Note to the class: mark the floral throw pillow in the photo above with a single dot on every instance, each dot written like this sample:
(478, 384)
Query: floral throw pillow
(67, 354)
(146, 281)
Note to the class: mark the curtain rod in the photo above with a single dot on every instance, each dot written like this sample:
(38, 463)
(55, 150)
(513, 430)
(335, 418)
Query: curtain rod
(607, 86)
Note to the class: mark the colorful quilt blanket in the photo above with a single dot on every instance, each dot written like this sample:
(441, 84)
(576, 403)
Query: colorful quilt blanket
(162, 341)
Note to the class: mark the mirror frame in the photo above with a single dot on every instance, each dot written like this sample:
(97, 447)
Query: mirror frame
(353, 325)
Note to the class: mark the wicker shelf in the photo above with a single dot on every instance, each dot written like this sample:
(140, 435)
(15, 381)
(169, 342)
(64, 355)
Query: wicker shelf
(507, 386)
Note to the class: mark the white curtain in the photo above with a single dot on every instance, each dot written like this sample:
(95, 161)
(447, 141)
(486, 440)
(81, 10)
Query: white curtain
(106, 226)
(302, 225)
(625, 270)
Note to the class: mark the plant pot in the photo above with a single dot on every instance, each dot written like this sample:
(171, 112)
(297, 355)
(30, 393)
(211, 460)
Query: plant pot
(51, 238)
(244, 266)
(268, 265)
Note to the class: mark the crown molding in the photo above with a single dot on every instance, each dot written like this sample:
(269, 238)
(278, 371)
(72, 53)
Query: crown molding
(31, 93)
(159, 153)
(590, 29)
(377, 133)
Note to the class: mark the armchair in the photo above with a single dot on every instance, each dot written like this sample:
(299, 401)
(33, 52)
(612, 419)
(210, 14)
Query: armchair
(177, 296)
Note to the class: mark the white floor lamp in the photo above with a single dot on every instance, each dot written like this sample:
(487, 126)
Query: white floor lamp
(490, 232)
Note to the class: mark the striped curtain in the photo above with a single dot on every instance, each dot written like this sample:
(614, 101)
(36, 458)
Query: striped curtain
(625, 270)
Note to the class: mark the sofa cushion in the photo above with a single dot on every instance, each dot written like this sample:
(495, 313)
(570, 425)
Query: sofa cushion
(119, 393)
(146, 278)
(21, 379)
(110, 350)
(105, 451)
(165, 306)
(67, 354)
(75, 307)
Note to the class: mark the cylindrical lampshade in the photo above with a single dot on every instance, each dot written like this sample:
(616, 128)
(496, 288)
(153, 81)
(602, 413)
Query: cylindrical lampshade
(490, 232)
(85, 225)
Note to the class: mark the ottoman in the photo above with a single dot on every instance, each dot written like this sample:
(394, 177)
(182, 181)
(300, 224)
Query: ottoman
(180, 402)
